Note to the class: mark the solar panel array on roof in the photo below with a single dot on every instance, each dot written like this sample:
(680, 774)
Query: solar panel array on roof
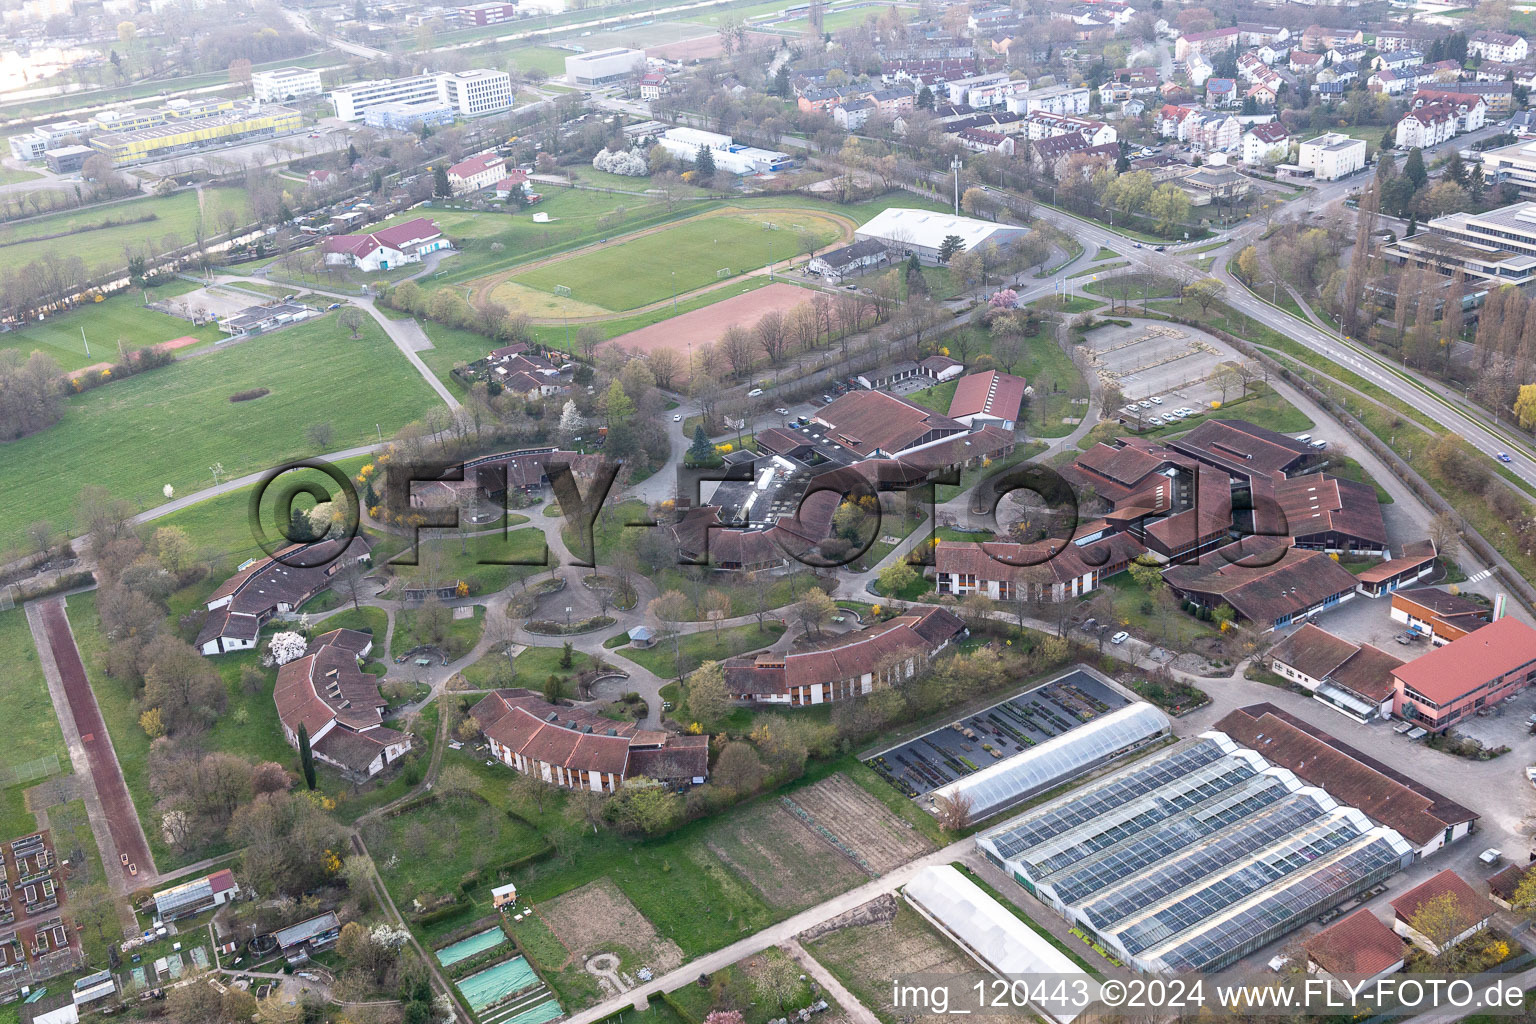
(1196, 856)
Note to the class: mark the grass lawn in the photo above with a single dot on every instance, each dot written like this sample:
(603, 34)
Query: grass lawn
(119, 318)
(1131, 604)
(463, 634)
(102, 247)
(696, 648)
(12, 175)
(546, 58)
(971, 477)
(694, 251)
(429, 850)
(441, 560)
(937, 397)
(34, 731)
(178, 421)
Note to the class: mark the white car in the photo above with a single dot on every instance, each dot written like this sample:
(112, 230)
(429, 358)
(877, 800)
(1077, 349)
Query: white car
(754, 392)
(677, 417)
(1156, 400)
(1120, 637)
(1156, 421)
(782, 411)
(1144, 405)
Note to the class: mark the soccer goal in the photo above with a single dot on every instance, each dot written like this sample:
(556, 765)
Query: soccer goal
(562, 291)
(722, 273)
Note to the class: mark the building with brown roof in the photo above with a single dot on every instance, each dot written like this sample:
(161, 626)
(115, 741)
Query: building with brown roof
(1438, 614)
(1268, 583)
(338, 705)
(1243, 449)
(992, 397)
(1416, 561)
(1359, 946)
(1505, 883)
(873, 423)
(576, 748)
(847, 666)
(1457, 913)
(1353, 679)
(1327, 513)
(1425, 818)
(1440, 688)
(1048, 570)
(275, 585)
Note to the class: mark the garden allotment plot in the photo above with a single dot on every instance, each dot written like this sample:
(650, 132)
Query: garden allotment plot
(1009, 727)
(642, 268)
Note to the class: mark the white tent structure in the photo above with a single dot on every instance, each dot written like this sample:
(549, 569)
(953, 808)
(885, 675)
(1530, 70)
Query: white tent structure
(923, 231)
(996, 938)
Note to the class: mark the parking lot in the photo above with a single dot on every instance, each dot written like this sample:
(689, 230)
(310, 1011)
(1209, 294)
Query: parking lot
(1008, 727)
(1170, 361)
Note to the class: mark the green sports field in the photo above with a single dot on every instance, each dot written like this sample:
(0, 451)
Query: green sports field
(122, 317)
(693, 251)
(169, 426)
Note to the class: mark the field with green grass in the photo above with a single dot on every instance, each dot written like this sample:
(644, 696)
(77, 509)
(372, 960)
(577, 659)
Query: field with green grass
(102, 247)
(693, 649)
(13, 175)
(481, 561)
(120, 318)
(34, 730)
(694, 250)
(178, 421)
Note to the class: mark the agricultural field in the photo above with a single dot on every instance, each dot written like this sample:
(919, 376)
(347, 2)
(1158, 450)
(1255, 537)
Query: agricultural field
(34, 733)
(598, 918)
(741, 987)
(789, 865)
(103, 247)
(866, 957)
(694, 252)
(867, 829)
(121, 318)
(179, 420)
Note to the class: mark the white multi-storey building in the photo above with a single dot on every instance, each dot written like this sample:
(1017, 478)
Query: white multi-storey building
(353, 101)
(469, 93)
(1499, 46)
(1331, 156)
(1067, 100)
(284, 84)
(472, 93)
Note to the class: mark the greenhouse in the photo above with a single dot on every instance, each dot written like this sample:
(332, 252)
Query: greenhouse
(1059, 759)
(1196, 856)
(992, 934)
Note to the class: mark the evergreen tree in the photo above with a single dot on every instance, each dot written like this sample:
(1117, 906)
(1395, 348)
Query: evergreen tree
(925, 98)
(950, 247)
(701, 449)
(351, 154)
(306, 756)
(781, 81)
(704, 163)
(1413, 168)
(440, 184)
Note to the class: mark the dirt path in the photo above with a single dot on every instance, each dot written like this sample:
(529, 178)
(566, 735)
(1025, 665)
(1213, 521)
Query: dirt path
(482, 291)
(122, 821)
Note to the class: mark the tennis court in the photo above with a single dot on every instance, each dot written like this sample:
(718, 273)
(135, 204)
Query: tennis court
(492, 985)
(472, 946)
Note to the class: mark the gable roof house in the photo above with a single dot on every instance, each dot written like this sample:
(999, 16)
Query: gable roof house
(1353, 679)
(1280, 585)
(843, 667)
(386, 247)
(577, 749)
(871, 423)
(1358, 946)
(274, 585)
(1471, 911)
(338, 705)
(476, 173)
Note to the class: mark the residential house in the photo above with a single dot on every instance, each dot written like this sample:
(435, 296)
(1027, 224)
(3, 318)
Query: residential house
(1265, 144)
(852, 115)
(1041, 125)
(654, 85)
(1357, 948)
(1397, 60)
(1221, 92)
(1354, 53)
(327, 696)
(476, 173)
(1263, 94)
(978, 140)
(1304, 63)
(1392, 83)
(837, 264)
(1316, 37)
(1213, 132)
(1470, 109)
(1331, 156)
(1499, 46)
(1426, 125)
(1207, 44)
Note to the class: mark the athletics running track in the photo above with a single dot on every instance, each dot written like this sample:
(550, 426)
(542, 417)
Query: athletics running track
(122, 819)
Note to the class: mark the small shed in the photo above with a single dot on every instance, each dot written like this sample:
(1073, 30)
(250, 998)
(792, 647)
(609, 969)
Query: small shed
(642, 636)
(503, 895)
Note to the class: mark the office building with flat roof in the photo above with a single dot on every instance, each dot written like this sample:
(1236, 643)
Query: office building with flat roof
(602, 66)
(284, 84)
(1492, 248)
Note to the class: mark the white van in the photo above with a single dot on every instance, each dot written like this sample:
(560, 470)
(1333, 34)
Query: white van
(1303, 438)
(1319, 444)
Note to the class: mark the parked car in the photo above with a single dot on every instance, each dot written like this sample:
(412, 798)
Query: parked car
(781, 411)
(1155, 400)
(1120, 638)
(754, 392)
(1144, 405)
(677, 417)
